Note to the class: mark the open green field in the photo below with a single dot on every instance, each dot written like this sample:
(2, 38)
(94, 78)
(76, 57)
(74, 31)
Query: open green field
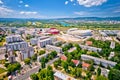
(2, 70)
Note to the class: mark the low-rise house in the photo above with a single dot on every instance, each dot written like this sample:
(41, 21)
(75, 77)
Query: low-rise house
(54, 48)
(91, 48)
(112, 54)
(26, 53)
(61, 76)
(85, 66)
(72, 49)
(98, 61)
(112, 45)
(76, 62)
(88, 43)
(63, 57)
(104, 72)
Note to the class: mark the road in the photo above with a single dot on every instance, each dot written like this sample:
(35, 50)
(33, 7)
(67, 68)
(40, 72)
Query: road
(27, 74)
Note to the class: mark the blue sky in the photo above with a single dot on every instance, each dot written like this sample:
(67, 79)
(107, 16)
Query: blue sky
(59, 8)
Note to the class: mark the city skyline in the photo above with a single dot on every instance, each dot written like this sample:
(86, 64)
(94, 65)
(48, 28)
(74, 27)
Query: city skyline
(45, 9)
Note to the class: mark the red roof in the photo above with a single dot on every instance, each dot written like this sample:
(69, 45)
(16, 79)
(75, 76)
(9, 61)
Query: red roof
(63, 57)
(85, 65)
(53, 31)
(88, 43)
(76, 62)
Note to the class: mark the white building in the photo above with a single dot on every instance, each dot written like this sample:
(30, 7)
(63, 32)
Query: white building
(13, 38)
(118, 36)
(91, 48)
(112, 45)
(17, 45)
(41, 56)
(11, 56)
(61, 76)
(105, 63)
(75, 31)
(112, 54)
(26, 53)
(44, 42)
(54, 48)
(33, 41)
(2, 50)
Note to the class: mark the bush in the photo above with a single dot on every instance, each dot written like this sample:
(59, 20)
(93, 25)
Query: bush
(27, 61)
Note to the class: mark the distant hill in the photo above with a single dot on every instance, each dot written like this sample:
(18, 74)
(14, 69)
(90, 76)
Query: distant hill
(77, 18)
(93, 18)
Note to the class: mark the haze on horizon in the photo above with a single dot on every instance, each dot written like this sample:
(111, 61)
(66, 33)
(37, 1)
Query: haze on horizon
(59, 8)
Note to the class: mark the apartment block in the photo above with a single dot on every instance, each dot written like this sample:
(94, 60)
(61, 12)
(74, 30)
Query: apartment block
(13, 38)
(54, 48)
(17, 45)
(43, 43)
(26, 53)
(98, 61)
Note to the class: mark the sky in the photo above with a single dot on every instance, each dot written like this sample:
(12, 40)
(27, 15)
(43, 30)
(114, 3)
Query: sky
(45, 9)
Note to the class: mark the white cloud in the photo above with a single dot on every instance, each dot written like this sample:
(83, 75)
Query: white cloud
(27, 5)
(1, 2)
(66, 2)
(20, 2)
(28, 12)
(81, 13)
(4, 11)
(90, 3)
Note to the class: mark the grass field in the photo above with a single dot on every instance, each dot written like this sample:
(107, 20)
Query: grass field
(2, 70)
(2, 61)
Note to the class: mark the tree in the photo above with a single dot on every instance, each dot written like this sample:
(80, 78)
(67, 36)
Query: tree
(13, 67)
(77, 47)
(34, 77)
(65, 65)
(41, 52)
(43, 64)
(101, 78)
(34, 57)
(117, 66)
(114, 74)
(46, 74)
(78, 72)
(27, 61)
(56, 64)
(98, 71)
(89, 75)
(53, 53)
